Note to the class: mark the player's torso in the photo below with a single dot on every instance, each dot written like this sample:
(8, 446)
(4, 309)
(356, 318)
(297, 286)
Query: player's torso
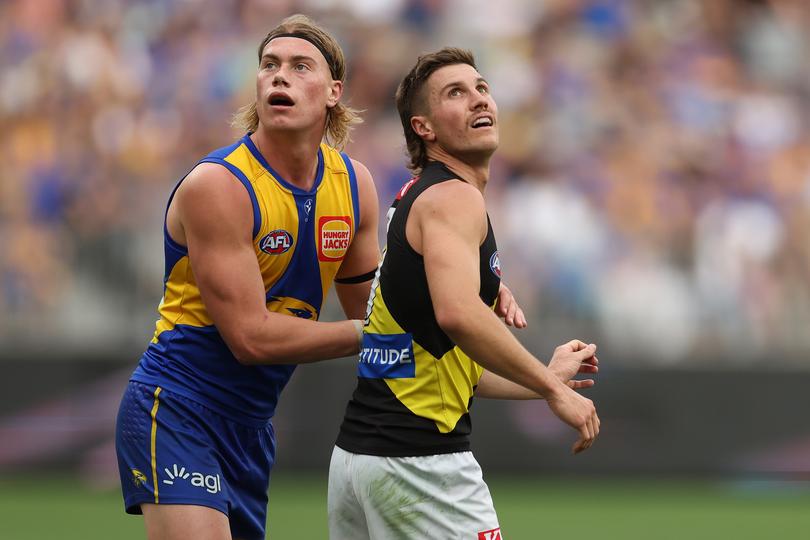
(415, 386)
(300, 239)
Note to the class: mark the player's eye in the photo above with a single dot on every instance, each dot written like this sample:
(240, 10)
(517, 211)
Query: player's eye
(455, 92)
(301, 67)
(269, 65)
(483, 89)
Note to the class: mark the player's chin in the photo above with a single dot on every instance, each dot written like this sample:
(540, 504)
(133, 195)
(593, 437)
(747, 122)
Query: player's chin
(487, 142)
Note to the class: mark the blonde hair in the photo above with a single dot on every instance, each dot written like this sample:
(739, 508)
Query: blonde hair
(340, 119)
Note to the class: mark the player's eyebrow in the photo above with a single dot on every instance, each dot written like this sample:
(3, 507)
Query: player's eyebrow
(296, 58)
(478, 81)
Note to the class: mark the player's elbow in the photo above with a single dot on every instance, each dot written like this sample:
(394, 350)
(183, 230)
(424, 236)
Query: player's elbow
(451, 318)
(249, 352)
(244, 353)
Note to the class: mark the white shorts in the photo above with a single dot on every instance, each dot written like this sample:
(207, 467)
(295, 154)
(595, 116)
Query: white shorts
(438, 497)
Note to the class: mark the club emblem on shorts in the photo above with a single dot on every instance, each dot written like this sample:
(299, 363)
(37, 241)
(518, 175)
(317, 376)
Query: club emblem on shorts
(495, 264)
(276, 242)
(138, 478)
(494, 534)
(334, 234)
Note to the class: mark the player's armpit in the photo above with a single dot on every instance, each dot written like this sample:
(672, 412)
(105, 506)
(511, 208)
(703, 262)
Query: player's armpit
(363, 254)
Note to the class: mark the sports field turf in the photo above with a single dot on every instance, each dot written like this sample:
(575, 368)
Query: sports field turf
(39, 509)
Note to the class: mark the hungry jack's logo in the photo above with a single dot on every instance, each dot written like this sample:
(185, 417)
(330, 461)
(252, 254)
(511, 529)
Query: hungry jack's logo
(334, 234)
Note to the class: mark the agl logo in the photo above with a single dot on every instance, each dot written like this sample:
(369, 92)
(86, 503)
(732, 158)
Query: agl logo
(211, 483)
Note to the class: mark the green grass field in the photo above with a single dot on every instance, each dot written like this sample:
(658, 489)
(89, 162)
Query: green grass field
(528, 509)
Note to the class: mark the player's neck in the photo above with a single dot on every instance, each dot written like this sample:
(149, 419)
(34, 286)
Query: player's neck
(473, 171)
(293, 157)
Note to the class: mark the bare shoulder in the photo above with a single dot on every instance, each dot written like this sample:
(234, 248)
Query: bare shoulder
(360, 169)
(451, 209)
(210, 180)
(363, 175)
(452, 198)
(211, 195)
(367, 193)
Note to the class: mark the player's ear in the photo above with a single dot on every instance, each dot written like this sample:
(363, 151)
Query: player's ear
(422, 127)
(335, 91)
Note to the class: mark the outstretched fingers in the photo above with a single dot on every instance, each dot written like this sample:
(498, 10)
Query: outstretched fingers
(508, 309)
(520, 318)
(590, 365)
(580, 384)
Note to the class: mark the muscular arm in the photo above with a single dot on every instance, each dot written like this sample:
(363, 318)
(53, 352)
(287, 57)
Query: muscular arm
(211, 213)
(449, 224)
(494, 386)
(364, 252)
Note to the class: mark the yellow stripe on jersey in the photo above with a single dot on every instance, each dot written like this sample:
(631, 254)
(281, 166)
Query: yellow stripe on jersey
(442, 388)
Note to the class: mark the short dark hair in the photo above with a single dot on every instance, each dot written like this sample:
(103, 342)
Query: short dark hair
(410, 97)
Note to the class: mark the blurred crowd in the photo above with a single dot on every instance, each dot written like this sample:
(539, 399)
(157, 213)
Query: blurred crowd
(651, 191)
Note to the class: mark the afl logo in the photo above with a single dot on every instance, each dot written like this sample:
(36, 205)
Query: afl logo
(276, 242)
(495, 264)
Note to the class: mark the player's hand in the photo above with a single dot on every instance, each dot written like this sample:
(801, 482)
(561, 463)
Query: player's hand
(578, 412)
(508, 309)
(572, 358)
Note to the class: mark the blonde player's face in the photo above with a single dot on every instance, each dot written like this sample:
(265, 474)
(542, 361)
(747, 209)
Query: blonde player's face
(462, 114)
(294, 86)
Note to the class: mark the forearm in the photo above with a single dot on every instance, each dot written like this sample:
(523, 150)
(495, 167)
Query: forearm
(492, 386)
(281, 339)
(482, 336)
(354, 298)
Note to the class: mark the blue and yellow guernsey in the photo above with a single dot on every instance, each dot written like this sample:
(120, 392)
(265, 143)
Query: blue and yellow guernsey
(300, 238)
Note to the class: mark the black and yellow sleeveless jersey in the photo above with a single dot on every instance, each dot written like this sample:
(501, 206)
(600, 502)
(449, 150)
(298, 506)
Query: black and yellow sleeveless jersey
(415, 386)
(300, 239)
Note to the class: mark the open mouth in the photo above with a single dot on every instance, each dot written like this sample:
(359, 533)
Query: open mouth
(281, 100)
(482, 122)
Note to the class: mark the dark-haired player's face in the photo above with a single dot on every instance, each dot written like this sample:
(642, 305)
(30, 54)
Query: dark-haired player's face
(294, 86)
(461, 111)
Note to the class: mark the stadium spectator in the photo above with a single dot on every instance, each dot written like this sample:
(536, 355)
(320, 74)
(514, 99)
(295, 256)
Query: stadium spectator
(662, 123)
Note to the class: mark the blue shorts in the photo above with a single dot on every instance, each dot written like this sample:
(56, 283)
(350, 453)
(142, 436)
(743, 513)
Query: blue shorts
(173, 450)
